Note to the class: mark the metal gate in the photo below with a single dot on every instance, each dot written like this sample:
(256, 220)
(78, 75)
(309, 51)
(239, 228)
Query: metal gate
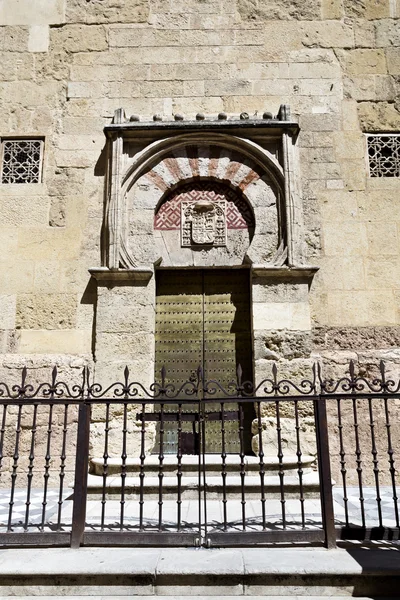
(233, 492)
(132, 497)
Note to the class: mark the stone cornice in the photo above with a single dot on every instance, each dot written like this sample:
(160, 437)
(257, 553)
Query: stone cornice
(273, 125)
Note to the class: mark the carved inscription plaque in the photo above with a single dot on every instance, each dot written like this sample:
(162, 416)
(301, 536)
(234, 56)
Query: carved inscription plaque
(203, 222)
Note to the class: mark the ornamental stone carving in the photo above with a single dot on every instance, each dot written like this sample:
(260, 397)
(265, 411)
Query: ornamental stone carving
(204, 220)
(203, 223)
(245, 173)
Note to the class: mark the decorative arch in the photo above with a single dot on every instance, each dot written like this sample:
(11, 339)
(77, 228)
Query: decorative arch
(152, 176)
(147, 160)
(157, 152)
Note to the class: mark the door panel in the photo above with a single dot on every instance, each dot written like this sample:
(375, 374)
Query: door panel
(179, 342)
(179, 324)
(203, 319)
(227, 342)
(227, 327)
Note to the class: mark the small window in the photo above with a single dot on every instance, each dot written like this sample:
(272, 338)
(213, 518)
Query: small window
(21, 161)
(384, 154)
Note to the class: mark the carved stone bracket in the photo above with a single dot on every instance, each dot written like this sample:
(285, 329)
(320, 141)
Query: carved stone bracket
(285, 272)
(105, 275)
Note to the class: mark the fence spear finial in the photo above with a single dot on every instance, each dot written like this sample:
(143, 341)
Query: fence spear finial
(351, 370)
(383, 372)
(23, 380)
(274, 371)
(314, 372)
(163, 376)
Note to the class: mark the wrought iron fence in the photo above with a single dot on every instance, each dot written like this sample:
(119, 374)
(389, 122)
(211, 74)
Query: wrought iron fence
(89, 464)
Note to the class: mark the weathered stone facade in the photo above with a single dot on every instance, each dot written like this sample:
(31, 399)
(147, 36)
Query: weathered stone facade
(324, 253)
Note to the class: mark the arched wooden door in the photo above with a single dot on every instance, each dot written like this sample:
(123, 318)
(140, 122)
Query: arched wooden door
(203, 319)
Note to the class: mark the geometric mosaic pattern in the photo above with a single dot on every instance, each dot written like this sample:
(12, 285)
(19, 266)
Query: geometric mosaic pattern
(238, 213)
(21, 162)
(384, 155)
(168, 216)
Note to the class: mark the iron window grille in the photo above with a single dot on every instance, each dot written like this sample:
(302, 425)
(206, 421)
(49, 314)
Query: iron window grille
(21, 160)
(384, 154)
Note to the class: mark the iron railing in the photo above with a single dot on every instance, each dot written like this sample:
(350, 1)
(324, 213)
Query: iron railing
(323, 466)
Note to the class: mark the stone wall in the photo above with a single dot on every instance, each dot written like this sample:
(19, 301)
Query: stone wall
(66, 65)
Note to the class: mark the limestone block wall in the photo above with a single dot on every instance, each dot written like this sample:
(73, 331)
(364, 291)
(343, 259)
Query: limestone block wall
(39, 441)
(66, 65)
(281, 319)
(125, 330)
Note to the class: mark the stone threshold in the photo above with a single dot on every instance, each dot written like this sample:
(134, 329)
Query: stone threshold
(213, 483)
(212, 461)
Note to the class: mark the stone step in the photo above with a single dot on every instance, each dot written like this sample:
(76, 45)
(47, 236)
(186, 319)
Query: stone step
(190, 464)
(214, 486)
(97, 597)
(179, 573)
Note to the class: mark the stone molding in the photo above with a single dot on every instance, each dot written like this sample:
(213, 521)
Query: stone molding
(275, 126)
(106, 275)
(246, 143)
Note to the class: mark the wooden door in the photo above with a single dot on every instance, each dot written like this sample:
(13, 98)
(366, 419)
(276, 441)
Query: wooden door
(203, 319)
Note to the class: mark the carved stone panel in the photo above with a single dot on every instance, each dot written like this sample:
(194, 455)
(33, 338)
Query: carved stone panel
(237, 212)
(203, 223)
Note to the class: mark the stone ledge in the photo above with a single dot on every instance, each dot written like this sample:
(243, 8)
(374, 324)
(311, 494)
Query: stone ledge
(105, 275)
(190, 486)
(285, 272)
(191, 462)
